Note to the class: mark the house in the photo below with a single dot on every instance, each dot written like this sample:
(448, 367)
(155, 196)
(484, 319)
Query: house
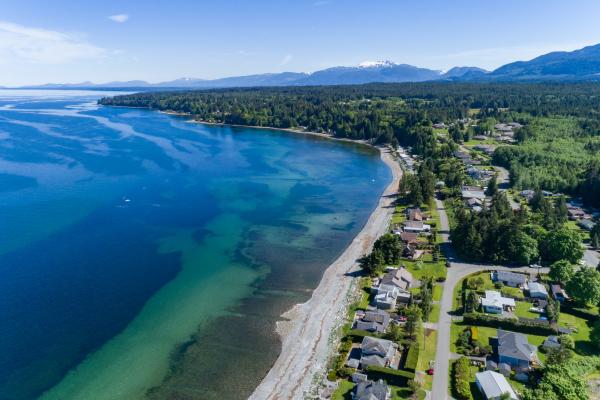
(493, 385)
(559, 293)
(486, 148)
(470, 192)
(537, 290)
(515, 350)
(368, 390)
(439, 125)
(373, 321)
(399, 277)
(416, 226)
(586, 224)
(358, 377)
(511, 279)
(409, 237)
(414, 214)
(376, 351)
(528, 194)
(494, 303)
(387, 296)
(475, 204)
(575, 213)
(551, 342)
(412, 252)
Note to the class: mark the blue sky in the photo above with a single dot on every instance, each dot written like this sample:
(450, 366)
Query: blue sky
(72, 41)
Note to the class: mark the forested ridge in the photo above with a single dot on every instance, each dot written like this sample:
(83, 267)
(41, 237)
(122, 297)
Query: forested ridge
(559, 148)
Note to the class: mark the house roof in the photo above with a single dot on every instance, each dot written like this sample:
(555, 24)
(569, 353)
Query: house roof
(558, 290)
(398, 277)
(514, 345)
(494, 385)
(376, 320)
(413, 224)
(369, 390)
(551, 342)
(375, 345)
(536, 287)
(409, 237)
(495, 299)
(507, 276)
(415, 214)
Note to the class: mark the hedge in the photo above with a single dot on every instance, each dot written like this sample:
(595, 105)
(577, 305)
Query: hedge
(412, 358)
(514, 324)
(394, 377)
(461, 378)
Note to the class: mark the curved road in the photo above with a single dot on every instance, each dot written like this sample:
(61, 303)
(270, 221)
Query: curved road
(456, 272)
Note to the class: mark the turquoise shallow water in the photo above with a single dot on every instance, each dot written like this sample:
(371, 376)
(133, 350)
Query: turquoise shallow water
(142, 256)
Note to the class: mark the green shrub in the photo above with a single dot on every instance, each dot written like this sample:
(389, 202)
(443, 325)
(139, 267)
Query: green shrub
(412, 358)
(461, 379)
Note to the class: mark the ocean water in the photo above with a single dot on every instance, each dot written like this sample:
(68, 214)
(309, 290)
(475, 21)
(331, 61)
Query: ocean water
(143, 256)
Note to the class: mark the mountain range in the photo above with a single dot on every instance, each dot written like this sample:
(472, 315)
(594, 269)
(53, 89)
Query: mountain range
(578, 65)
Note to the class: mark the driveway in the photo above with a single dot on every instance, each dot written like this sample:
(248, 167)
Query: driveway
(456, 272)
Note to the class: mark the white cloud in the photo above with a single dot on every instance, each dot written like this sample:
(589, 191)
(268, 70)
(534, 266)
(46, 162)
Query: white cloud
(119, 18)
(21, 43)
(286, 60)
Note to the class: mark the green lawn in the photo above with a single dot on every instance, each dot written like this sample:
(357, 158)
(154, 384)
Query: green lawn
(400, 393)
(582, 336)
(522, 310)
(427, 353)
(435, 313)
(425, 266)
(344, 391)
(437, 292)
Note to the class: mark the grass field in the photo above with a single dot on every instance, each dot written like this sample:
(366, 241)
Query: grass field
(344, 391)
(427, 344)
(522, 310)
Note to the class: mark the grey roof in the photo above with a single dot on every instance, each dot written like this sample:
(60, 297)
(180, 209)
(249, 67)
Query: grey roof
(514, 345)
(506, 276)
(558, 290)
(551, 342)
(536, 287)
(373, 359)
(371, 391)
(493, 385)
(371, 345)
(358, 377)
(400, 277)
(374, 321)
(491, 365)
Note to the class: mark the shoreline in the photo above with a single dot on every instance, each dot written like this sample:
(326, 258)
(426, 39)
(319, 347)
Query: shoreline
(306, 328)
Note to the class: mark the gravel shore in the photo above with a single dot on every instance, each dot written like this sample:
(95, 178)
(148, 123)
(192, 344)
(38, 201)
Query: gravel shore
(307, 327)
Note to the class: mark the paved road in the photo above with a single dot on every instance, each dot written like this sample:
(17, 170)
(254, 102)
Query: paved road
(456, 272)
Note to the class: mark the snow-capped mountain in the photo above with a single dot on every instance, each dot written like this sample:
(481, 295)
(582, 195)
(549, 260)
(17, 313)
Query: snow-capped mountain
(376, 64)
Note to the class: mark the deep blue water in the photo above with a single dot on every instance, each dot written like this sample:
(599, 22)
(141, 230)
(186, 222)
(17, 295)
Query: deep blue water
(88, 193)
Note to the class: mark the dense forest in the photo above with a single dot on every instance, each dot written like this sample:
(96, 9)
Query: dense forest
(558, 150)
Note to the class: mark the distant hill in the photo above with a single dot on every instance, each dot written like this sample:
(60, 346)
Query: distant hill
(461, 72)
(583, 64)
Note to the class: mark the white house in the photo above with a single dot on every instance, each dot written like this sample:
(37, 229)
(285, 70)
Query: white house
(416, 226)
(493, 385)
(494, 303)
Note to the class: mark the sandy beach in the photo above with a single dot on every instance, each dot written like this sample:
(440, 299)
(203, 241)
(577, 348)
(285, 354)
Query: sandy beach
(307, 328)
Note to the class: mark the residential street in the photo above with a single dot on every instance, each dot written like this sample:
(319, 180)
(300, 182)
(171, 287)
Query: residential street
(456, 272)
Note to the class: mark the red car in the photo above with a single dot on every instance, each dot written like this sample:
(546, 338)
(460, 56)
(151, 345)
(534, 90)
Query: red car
(430, 371)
